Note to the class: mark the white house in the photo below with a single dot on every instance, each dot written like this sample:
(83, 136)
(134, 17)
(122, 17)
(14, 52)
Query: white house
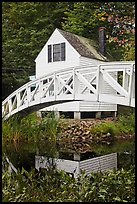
(64, 50)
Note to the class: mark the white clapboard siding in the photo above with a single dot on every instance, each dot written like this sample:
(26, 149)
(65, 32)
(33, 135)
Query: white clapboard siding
(101, 163)
(83, 106)
(106, 88)
(84, 61)
(97, 164)
(96, 106)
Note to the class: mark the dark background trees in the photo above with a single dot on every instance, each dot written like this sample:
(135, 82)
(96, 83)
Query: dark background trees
(26, 26)
(118, 18)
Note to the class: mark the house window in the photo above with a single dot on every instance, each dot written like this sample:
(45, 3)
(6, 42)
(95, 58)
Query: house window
(56, 52)
(49, 53)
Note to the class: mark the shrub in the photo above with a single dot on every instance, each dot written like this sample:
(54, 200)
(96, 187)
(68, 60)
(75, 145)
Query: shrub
(24, 137)
(103, 128)
(126, 124)
(57, 186)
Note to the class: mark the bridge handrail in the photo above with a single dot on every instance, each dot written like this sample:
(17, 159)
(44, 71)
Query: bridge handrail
(68, 69)
(63, 83)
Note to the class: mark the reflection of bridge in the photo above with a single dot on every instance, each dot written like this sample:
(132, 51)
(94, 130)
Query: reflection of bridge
(73, 84)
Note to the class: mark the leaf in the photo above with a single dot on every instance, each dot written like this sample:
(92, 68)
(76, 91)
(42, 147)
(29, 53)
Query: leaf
(117, 198)
(102, 190)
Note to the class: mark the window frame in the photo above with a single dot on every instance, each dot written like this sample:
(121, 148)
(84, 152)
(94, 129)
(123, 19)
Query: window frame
(49, 53)
(56, 52)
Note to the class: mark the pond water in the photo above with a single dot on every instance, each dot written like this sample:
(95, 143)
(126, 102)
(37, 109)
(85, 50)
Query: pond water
(24, 155)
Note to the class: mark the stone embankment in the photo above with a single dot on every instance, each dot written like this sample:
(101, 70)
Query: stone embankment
(76, 135)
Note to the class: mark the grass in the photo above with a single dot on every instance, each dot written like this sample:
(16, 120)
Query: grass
(122, 125)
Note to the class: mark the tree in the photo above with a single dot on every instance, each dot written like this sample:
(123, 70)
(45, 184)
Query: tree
(118, 19)
(121, 22)
(26, 26)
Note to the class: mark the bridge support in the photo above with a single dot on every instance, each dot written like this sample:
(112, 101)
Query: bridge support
(98, 114)
(114, 114)
(77, 115)
(57, 114)
(76, 157)
(39, 114)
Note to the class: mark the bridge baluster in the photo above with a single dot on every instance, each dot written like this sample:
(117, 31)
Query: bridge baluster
(99, 82)
(75, 84)
(55, 86)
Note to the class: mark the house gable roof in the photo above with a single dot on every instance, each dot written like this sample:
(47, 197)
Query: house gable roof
(84, 46)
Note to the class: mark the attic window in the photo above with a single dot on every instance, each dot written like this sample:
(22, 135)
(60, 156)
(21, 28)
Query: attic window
(56, 52)
(49, 53)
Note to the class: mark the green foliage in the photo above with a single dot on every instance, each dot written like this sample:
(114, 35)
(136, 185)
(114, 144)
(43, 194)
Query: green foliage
(24, 137)
(18, 139)
(57, 186)
(48, 126)
(17, 129)
(24, 32)
(126, 124)
(12, 81)
(47, 133)
(26, 26)
(76, 19)
(104, 128)
(118, 19)
(129, 52)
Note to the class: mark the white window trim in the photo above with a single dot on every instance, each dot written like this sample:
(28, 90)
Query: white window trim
(52, 52)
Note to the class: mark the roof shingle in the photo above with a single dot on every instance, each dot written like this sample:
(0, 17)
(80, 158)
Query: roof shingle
(84, 46)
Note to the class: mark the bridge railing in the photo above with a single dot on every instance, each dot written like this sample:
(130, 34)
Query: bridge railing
(112, 82)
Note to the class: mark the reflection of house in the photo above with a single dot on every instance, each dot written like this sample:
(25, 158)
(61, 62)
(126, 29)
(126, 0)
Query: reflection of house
(64, 50)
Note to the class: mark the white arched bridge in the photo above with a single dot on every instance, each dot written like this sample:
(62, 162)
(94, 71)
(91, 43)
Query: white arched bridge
(75, 84)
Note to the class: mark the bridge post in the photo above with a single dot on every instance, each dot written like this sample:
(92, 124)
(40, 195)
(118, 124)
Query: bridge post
(40, 90)
(125, 80)
(75, 84)
(98, 82)
(39, 114)
(77, 115)
(55, 86)
(76, 156)
(131, 82)
(98, 114)
(57, 114)
(28, 95)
